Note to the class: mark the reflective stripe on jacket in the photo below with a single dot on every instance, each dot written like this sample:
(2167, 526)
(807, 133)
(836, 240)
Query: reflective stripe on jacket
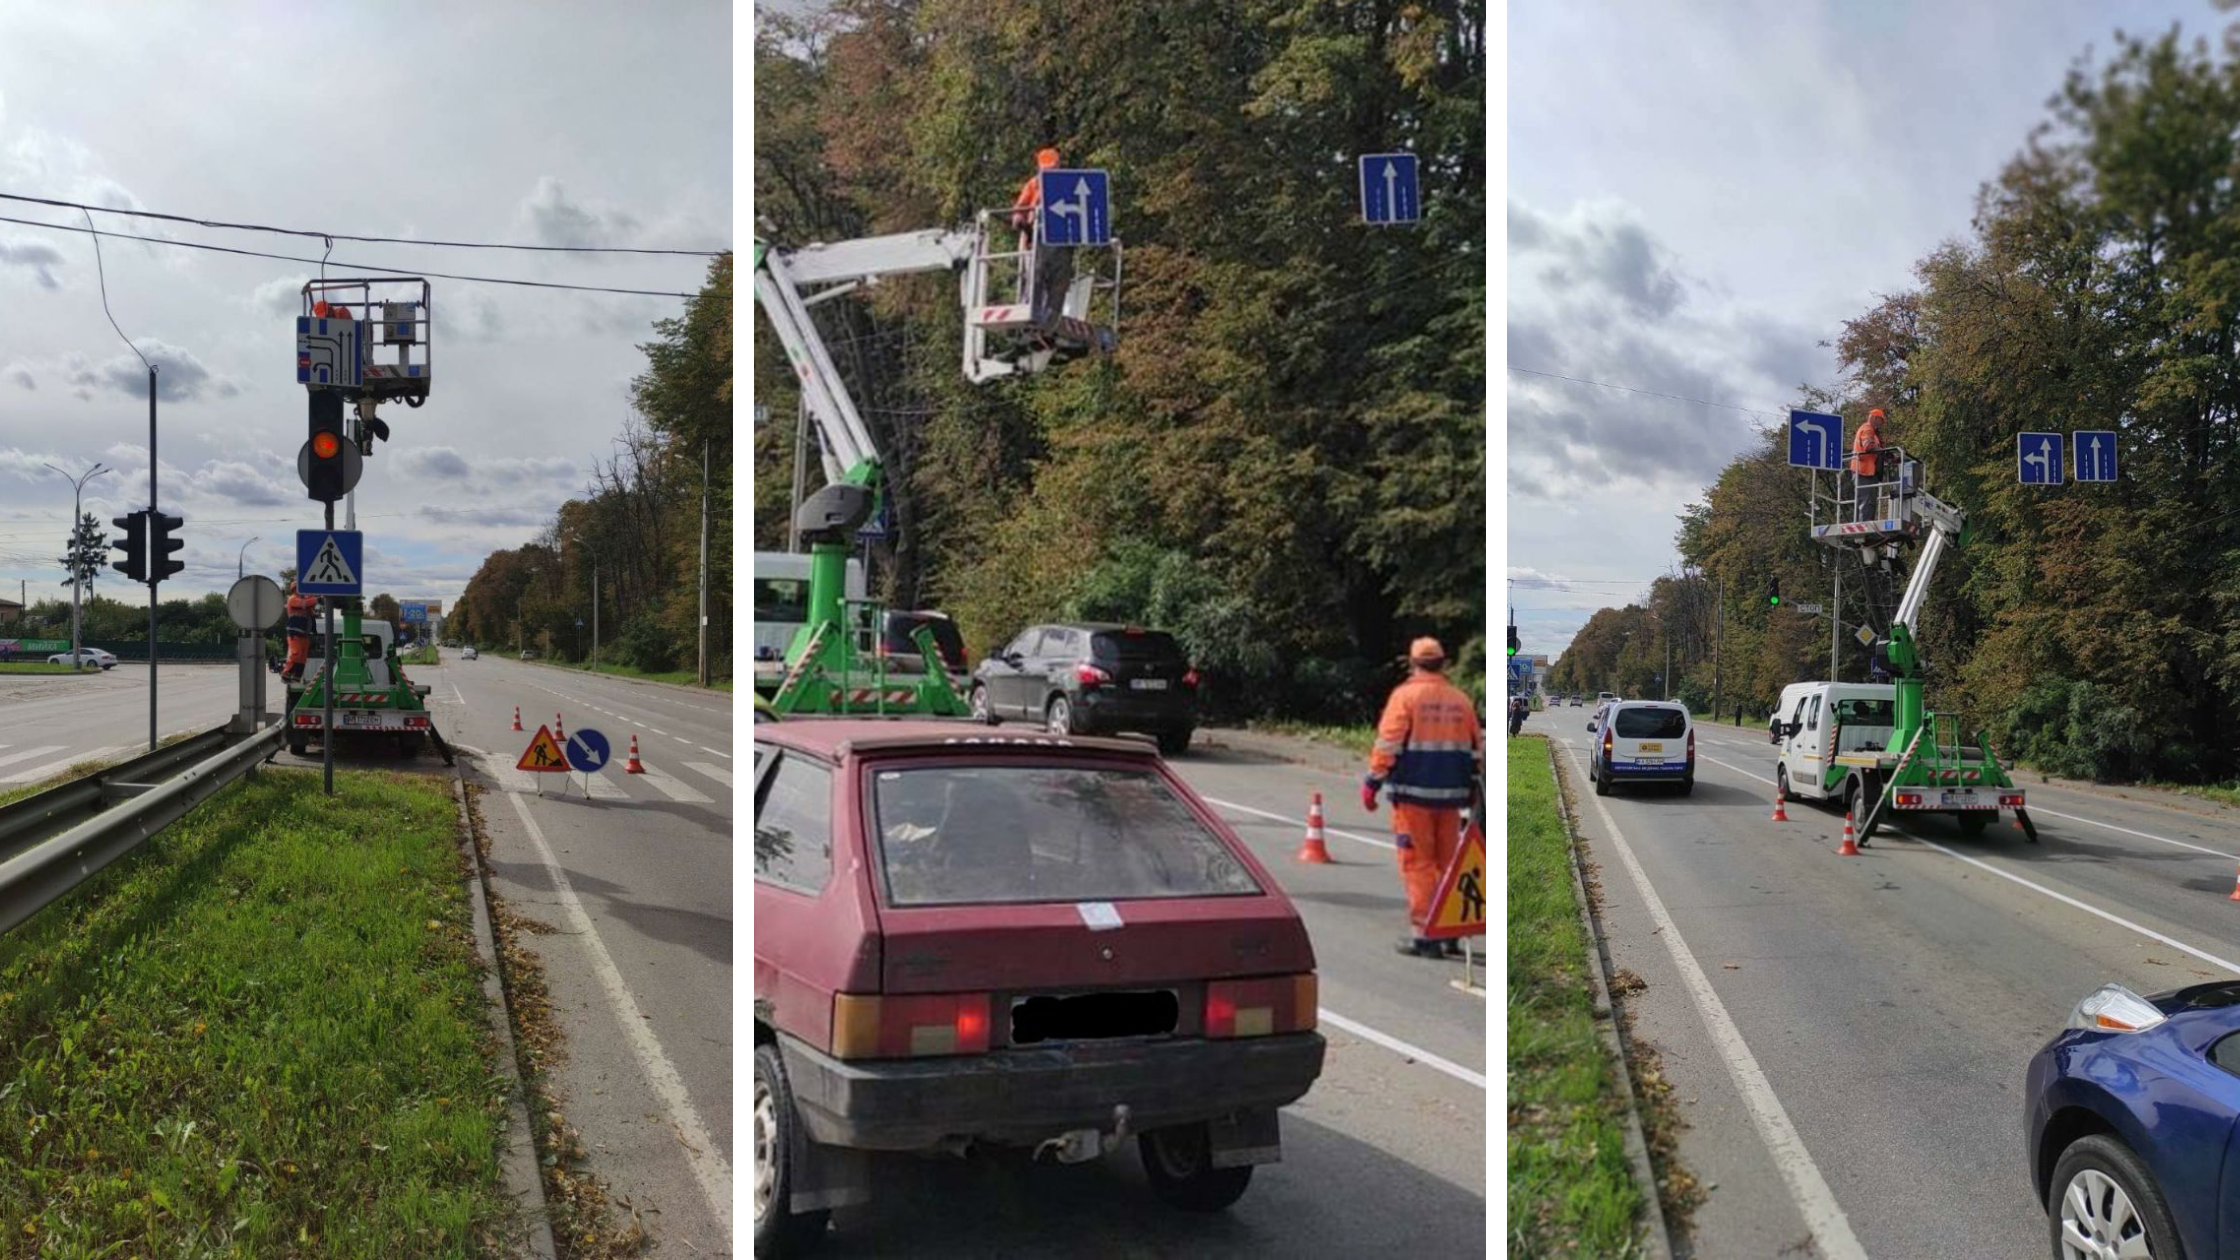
(1429, 745)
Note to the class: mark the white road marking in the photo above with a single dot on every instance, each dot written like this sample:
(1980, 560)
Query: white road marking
(709, 1167)
(1823, 1216)
(1397, 1046)
(718, 773)
(718, 752)
(2095, 911)
(1327, 830)
(53, 768)
(2054, 813)
(28, 754)
(675, 788)
(658, 731)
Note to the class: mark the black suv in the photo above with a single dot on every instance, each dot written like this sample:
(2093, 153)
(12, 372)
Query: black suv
(1090, 678)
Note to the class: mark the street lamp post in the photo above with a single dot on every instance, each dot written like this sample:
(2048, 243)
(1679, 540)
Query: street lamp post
(77, 515)
(237, 557)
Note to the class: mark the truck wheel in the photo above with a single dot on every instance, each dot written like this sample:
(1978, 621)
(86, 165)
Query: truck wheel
(1974, 822)
(1781, 780)
(1854, 797)
(777, 1231)
(1178, 1162)
(296, 743)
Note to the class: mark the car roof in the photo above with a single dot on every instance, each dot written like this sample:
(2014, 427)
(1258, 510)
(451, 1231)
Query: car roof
(838, 738)
(1649, 704)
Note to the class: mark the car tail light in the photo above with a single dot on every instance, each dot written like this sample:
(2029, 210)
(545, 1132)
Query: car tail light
(869, 1026)
(2113, 1008)
(1260, 1008)
(1090, 676)
(1190, 678)
(2011, 800)
(1607, 743)
(1691, 745)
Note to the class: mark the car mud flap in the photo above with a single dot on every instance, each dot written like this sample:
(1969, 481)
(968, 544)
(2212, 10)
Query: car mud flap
(1243, 1138)
(827, 1177)
(2029, 829)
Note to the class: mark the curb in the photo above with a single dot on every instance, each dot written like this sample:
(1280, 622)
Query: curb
(1606, 1026)
(519, 1165)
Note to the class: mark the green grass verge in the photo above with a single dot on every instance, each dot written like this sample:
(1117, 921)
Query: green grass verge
(420, 656)
(38, 667)
(1355, 739)
(1571, 1192)
(262, 1035)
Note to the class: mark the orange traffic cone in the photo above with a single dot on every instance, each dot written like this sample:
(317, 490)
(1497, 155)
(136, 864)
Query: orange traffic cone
(2235, 889)
(1850, 845)
(1779, 814)
(1313, 849)
(557, 732)
(633, 766)
(517, 717)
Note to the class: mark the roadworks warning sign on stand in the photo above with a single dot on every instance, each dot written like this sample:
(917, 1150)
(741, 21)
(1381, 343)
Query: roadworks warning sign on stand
(1459, 907)
(543, 756)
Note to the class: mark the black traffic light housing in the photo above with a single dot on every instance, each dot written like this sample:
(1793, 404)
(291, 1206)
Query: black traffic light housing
(1514, 645)
(134, 563)
(1773, 592)
(161, 544)
(325, 478)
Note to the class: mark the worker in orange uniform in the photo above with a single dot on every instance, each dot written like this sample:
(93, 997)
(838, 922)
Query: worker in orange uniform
(301, 610)
(1029, 199)
(1866, 446)
(1430, 753)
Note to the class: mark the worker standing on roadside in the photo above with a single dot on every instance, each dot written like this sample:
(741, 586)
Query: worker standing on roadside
(1430, 751)
(1866, 444)
(301, 610)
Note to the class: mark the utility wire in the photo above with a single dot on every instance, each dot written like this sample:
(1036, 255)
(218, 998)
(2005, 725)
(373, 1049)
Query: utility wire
(394, 271)
(103, 273)
(1654, 393)
(318, 234)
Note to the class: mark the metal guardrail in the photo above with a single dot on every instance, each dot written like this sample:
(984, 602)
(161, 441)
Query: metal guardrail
(57, 839)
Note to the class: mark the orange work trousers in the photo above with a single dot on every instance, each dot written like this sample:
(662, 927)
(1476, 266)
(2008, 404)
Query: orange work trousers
(299, 652)
(1426, 838)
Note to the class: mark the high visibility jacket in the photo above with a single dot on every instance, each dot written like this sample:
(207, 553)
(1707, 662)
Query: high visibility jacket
(1864, 444)
(1429, 746)
(1030, 196)
(301, 609)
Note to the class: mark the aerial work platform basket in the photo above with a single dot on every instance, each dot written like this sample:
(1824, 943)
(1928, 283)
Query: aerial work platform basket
(346, 325)
(1870, 512)
(1028, 306)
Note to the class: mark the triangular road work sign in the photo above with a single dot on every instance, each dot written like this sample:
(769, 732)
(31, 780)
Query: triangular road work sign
(1459, 907)
(328, 568)
(543, 754)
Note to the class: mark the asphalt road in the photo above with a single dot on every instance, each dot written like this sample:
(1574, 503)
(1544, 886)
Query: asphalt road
(634, 881)
(50, 722)
(1847, 1037)
(1386, 1153)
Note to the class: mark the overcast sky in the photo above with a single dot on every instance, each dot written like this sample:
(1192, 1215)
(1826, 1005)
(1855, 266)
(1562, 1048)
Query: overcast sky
(1699, 195)
(533, 123)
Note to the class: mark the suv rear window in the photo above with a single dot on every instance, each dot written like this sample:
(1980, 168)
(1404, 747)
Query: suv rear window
(1650, 723)
(1147, 647)
(967, 835)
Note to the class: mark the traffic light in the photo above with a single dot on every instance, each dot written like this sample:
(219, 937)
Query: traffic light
(1773, 592)
(324, 474)
(1513, 644)
(160, 546)
(134, 545)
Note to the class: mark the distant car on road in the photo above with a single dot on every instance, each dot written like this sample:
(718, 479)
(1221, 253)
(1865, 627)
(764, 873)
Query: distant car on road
(1576, 701)
(86, 656)
(528, 654)
(469, 654)
(966, 939)
(2132, 1125)
(1643, 741)
(1086, 677)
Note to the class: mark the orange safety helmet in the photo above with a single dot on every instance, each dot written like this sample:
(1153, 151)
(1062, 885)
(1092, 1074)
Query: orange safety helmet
(1427, 651)
(1044, 159)
(1875, 413)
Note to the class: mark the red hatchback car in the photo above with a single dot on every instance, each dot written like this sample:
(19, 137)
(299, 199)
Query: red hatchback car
(966, 938)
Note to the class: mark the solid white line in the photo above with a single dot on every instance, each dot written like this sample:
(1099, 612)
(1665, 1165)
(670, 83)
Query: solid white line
(1328, 831)
(709, 1167)
(1397, 1046)
(2054, 813)
(2095, 911)
(1823, 1216)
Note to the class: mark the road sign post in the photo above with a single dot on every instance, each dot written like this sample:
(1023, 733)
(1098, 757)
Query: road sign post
(2038, 458)
(1815, 440)
(2096, 454)
(1389, 194)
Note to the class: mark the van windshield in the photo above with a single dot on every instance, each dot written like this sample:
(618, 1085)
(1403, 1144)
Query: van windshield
(1650, 724)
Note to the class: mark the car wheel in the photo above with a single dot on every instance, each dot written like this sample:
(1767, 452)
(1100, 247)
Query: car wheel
(1688, 785)
(1178, 1162)
(777, 1231)
(2105, 1202)
(1174, 743)
(982, 711)
(1059, 717)
(1601, 781)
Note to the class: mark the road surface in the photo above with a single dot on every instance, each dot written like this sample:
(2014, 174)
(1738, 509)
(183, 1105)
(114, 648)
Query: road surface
(1386, 1152)
(49, 722)
(1870, 1019)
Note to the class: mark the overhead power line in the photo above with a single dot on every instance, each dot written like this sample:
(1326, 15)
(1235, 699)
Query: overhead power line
(323, 235)
(394, 271)
(1654, 393)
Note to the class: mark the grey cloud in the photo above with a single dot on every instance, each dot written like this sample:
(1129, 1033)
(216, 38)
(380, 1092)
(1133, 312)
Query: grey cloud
(39, 256)
(279, 296)
(435, 461)
(242, 484)
(488, 516)
(553, 219)
(21, 375)
(180, 376)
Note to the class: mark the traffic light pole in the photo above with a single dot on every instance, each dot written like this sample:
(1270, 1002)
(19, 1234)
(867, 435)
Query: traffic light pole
(326, 681)
(153, 566)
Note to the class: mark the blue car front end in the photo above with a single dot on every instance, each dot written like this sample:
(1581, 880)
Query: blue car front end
(2154, 1075)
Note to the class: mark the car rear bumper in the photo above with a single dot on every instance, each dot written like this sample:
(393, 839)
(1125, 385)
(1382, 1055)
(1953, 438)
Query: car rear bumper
(1019, 1097)
(1151, 712)
(1635, 772)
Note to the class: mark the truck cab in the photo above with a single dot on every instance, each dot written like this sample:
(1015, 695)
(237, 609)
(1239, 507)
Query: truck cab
(1829, 738)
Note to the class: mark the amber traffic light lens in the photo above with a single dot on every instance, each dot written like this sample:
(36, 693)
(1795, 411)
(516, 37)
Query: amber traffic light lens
(325, 445)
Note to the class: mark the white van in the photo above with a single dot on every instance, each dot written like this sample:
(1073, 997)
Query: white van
(1642, 741)
(781, 599)
(1828, 738)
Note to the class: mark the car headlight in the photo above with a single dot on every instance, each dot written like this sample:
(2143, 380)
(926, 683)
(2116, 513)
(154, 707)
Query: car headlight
(2113, 1008)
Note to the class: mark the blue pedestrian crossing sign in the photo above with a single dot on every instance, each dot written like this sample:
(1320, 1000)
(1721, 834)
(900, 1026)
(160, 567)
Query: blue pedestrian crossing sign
(2096, 454)
(588, 751)
(330, 562)
(2038, 458)
(1815, 440)
(1388, 188)
(1076, 208)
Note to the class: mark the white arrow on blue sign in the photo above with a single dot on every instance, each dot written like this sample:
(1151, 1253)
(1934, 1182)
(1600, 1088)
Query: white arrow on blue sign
(330, 562)
(2038, 458)
(1815, 440)
(2096, 454)
(1076, 208)
(1388, 188)
(588, 751)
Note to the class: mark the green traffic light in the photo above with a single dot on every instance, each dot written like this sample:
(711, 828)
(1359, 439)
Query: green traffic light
(1774, 600)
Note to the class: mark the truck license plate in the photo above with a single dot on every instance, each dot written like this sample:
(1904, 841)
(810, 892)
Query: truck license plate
(1959, 798)
(1148, 684)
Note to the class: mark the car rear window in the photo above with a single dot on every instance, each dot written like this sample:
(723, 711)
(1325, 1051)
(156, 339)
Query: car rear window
(1147, 647)
(966, 835)
(1650, 723)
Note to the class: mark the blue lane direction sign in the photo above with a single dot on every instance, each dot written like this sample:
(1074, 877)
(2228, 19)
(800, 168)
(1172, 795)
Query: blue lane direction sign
(330, 562)
(588, 751)
(2096, 454)
(1076, 208)
(1388, 188)
(1816, 440)
(414, 613)
(2038, 458)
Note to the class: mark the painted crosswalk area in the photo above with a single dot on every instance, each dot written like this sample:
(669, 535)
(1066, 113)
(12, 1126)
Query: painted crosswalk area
(660, 784)
(21, 764)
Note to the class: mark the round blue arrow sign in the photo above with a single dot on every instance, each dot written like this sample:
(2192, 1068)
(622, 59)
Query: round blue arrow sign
(588, 751)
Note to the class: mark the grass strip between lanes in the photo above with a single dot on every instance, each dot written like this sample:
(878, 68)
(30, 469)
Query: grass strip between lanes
(41, 667)
(1571, 1192)
(263, 1034)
